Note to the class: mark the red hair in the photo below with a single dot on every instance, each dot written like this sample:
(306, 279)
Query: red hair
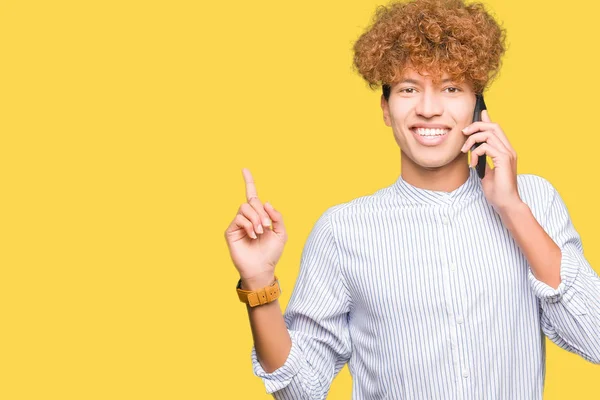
(437, 36)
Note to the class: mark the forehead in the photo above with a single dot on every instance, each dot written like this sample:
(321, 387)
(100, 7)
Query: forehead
(412, 75)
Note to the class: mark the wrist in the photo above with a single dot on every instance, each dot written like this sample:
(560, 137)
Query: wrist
(511, 215)
(257, 281)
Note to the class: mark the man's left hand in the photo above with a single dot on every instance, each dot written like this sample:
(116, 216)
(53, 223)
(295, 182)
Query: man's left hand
(500, 182)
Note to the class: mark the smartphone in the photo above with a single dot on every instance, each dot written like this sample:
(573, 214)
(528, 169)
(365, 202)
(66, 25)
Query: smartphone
(482, 160)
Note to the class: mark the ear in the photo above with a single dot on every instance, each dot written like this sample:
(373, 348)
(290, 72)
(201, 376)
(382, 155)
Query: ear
(386, 111)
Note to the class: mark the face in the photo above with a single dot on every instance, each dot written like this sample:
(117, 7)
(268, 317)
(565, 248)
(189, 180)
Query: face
(416, 104)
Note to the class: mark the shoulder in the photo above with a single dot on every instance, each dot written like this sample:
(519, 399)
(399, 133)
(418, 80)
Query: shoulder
(534, 185)
(376, 202)
(536, 191)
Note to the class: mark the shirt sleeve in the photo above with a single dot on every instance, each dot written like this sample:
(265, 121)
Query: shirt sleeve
(317, 320)
(570, 314)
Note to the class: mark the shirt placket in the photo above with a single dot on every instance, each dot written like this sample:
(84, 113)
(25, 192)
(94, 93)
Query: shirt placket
(453, 294)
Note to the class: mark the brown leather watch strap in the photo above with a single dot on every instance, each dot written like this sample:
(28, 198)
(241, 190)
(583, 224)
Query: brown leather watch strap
(261, 296)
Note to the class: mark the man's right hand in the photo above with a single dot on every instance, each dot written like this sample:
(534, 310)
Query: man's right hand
(255, 238)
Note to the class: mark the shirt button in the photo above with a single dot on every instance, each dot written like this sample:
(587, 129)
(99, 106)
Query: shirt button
(465, 372)
(445, 220)
(459, 319)
(453, 266)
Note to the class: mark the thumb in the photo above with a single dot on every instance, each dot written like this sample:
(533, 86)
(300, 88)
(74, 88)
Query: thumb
(485, 117)
(276, 218)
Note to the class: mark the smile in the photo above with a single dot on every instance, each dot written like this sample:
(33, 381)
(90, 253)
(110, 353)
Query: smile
(431, 132)
(430, 137)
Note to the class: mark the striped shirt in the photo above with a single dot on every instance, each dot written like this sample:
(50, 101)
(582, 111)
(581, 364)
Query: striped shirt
(426, 295)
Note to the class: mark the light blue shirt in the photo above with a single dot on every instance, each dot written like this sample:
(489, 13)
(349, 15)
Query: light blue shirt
(426, 295)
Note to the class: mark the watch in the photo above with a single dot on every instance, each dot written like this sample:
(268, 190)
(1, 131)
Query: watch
(261, 296)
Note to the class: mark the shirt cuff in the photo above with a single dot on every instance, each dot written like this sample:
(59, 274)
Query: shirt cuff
(283, 375)
(569, 268)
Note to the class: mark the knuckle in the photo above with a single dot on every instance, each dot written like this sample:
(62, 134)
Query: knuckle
(254, 201)
(249, 211)
(257, 205)
(254, 220)
(244, 221)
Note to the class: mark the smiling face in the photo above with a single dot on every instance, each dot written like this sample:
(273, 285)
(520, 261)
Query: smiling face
(415, 103)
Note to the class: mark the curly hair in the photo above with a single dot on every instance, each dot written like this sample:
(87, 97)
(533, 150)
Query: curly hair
(437, 36)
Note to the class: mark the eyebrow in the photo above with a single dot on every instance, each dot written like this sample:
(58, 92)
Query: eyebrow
(408, 80)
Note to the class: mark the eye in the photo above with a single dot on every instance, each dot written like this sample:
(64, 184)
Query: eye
(456, 90)
(403, 90)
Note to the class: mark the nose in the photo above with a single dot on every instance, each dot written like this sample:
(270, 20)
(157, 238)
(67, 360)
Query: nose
(429, 105)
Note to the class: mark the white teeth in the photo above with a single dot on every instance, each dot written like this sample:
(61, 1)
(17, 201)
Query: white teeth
(431, 132)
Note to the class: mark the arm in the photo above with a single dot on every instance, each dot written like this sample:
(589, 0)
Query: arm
(316, 321)
(269, 331)
(560, 276)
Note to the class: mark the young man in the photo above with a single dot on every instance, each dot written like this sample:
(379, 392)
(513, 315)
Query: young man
(441, 285)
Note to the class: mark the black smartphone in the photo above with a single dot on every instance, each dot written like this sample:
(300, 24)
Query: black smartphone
(482, 160)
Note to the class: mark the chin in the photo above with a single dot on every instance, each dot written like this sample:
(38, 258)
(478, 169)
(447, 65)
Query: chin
(433, 164)
(432, 167)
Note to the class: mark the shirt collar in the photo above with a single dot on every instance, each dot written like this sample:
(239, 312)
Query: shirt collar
(468, 189)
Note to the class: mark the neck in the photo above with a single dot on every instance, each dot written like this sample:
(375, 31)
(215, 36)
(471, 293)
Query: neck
(445, 179)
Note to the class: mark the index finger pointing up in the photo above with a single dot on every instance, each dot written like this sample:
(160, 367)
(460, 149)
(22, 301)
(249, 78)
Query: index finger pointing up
(250, 188)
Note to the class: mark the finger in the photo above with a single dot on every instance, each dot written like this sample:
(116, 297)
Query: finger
(250, 213)
(481, 137)
(242, 222)
(276, 217)
(250, 188)
(254, 201)
(485, 148)
(480, 126)
(260, 209)
(485, 116)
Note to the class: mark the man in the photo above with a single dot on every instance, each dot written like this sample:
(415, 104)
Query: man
(441, 285)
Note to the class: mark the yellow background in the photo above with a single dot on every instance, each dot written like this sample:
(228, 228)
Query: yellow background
(124, 129)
